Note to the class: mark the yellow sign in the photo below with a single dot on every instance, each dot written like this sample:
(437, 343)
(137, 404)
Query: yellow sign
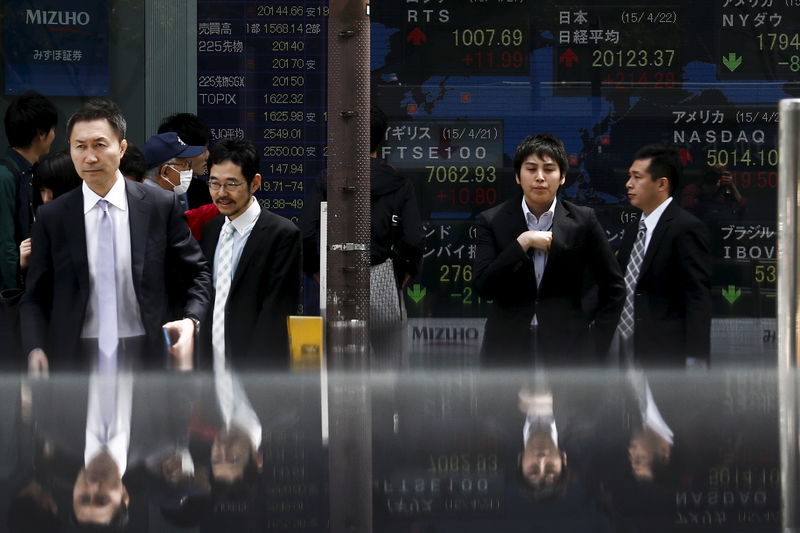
(305, 342)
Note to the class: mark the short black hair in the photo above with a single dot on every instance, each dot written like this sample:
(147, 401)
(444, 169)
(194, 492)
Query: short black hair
(664, 163)
(56, 172)
(119, 521)
(543, 144)
(29, 115)
(133, 163)
(378, 123)
(543, 492)
(98, 109)
(189, 127)
(239, 152)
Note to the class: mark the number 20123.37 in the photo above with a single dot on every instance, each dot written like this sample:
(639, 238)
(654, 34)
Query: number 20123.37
(632, 58)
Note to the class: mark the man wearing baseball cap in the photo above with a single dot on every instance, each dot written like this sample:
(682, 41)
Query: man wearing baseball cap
(169, 164)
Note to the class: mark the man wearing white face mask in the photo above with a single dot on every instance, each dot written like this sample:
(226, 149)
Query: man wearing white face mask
(169, 164)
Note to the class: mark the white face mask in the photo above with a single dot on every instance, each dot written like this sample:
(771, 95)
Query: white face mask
(186, 180)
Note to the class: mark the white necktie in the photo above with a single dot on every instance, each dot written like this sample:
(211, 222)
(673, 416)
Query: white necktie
(222, 286)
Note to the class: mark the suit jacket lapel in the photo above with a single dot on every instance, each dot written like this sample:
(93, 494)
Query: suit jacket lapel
(76, 223)
(210, 239)
(513, 221)
(250, 248)
(658, 235)
(137, 218)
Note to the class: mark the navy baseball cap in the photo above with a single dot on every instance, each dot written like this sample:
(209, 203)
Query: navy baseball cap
(162, 147)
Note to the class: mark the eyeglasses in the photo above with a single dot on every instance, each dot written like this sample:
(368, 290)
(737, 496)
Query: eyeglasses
(185, 165)
(230, 186)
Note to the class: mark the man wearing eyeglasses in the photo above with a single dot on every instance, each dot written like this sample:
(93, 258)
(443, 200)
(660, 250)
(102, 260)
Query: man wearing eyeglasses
(256, 264)
(169, 164)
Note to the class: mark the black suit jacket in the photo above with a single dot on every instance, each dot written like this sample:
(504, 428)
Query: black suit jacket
(265, 290)
(579, 257)
(164, 256)
(672, 302)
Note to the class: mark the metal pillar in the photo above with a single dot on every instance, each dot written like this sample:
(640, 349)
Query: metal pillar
(788, 272)
(350, 445)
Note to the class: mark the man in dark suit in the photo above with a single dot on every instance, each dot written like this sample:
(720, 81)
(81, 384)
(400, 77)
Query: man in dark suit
(536, 258)
(256, 263)
(103, 258)
(665, 255)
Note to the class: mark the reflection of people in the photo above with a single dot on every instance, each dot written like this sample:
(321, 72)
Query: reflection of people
(99, 495)
(533, 254)
(33, 509)
(256, 262)
(650, 446)
(109, 249)
(236, 456)
(542, 464)
(715, 199)
(667, 315)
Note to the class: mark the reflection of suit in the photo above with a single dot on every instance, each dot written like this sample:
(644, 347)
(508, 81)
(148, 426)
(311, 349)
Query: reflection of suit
(60, 413)
(163, 253)
(505, 273)
(264, 290)
(672, 302)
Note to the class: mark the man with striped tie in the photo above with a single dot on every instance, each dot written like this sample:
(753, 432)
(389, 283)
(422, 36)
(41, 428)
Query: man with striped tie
(665, 256)
(256, 264)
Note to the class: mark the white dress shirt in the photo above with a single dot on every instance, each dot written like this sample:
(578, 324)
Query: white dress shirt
(117, 436)
(243, 226)
(542, 223)
(128, 314)
(651, 221)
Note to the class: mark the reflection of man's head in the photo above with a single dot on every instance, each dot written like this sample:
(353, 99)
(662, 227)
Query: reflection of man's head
(233, 456)
(98, 496)
(649, 454)
(543, 466)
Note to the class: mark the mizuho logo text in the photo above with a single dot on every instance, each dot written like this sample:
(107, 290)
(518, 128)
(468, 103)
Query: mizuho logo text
(57, 18)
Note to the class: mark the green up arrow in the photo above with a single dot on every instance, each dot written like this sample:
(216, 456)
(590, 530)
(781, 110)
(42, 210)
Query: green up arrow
(416, 292)
(732, 61)
(731, 294)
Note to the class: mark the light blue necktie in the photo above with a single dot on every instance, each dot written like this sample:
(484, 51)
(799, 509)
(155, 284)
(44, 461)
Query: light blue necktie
(106, 291)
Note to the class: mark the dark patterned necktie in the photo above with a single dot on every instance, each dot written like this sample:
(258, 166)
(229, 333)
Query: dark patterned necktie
(631, 278)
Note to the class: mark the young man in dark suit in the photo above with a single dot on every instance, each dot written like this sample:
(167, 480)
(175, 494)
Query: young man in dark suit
(256, 264)
(103, 258)
(665, 255)
(536, 258)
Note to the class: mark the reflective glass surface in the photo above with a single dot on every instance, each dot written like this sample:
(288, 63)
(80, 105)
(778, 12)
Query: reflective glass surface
(433, 451)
